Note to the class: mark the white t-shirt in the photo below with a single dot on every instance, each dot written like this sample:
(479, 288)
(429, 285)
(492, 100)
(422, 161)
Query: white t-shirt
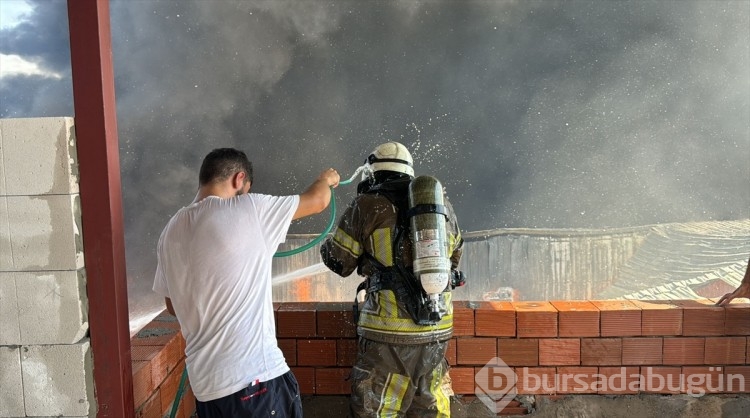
(214, 263)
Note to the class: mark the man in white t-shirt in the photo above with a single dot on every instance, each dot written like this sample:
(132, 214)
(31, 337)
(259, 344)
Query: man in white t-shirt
(214, 270)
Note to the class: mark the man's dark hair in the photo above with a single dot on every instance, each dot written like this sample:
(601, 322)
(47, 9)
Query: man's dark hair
(222, 163)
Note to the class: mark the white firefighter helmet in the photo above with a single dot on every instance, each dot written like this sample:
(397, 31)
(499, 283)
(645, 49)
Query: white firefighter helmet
(391, 156)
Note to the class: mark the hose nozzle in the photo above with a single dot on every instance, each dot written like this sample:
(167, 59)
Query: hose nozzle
(364, 169)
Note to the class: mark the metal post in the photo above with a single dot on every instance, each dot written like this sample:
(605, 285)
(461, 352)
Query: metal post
(101, 205)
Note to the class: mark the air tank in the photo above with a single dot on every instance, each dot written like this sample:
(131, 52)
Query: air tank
(428, 228)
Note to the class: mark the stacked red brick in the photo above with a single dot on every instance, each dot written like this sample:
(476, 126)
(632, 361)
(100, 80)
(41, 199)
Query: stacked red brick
(588, 339)
(158, 354)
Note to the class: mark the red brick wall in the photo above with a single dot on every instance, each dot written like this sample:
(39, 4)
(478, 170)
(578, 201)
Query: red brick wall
(158, 354)
(642, 342)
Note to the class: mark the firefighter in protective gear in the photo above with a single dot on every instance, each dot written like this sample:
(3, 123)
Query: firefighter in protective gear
(400, 364)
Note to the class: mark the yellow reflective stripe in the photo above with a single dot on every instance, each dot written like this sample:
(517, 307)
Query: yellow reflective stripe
(383, 315)
(401, 325)
(442, 401)
(453, 241)
(345, 241)
(393, 395)
(381, 245)
(388, 302)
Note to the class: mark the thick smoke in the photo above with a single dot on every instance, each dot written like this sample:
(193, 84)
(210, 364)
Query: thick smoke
(583, 114)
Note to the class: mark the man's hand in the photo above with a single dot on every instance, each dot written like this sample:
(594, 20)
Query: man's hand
(318, 195)
(331, 177)
(741, 292)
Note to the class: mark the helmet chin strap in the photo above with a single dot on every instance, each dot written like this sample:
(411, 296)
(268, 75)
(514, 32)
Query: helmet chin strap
(372, 158)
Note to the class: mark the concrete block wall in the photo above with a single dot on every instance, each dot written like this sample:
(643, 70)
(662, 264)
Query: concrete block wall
(45, 356)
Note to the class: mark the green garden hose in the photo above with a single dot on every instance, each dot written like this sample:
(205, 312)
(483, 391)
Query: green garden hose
(180, 391)
(317, 239)
(331, 220)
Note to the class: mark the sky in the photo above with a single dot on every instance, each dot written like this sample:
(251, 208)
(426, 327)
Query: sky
(12, 13)
(532, 114)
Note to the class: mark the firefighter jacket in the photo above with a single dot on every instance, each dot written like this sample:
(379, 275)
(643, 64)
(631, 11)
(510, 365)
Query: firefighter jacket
(364, 240)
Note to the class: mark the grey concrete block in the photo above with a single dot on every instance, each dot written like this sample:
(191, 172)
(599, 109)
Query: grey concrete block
(39, 156)
(45, 232)
(52, 307)
(6, 256)
(10, 331)
(57, 380)
(11, 396)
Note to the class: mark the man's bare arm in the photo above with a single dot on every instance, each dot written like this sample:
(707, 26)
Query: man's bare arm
(317, 197)
(743, 291)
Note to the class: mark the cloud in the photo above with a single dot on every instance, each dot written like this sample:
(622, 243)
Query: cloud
(12, 12)
(14, 66)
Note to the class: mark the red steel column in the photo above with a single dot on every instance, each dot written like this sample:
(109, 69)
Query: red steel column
(101, 205)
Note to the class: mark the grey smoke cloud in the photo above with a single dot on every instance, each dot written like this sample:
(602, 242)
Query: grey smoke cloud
(582, 114)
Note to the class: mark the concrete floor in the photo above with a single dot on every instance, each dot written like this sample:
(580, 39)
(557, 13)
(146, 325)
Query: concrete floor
(337, 407)
(577, 406)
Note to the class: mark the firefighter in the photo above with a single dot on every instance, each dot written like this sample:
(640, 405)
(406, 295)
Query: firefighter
(400, 365)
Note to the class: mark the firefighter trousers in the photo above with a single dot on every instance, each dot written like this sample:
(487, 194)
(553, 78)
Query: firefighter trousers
(394, 380)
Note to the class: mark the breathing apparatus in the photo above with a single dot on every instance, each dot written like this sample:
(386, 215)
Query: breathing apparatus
(425, 217)
(431, 261)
